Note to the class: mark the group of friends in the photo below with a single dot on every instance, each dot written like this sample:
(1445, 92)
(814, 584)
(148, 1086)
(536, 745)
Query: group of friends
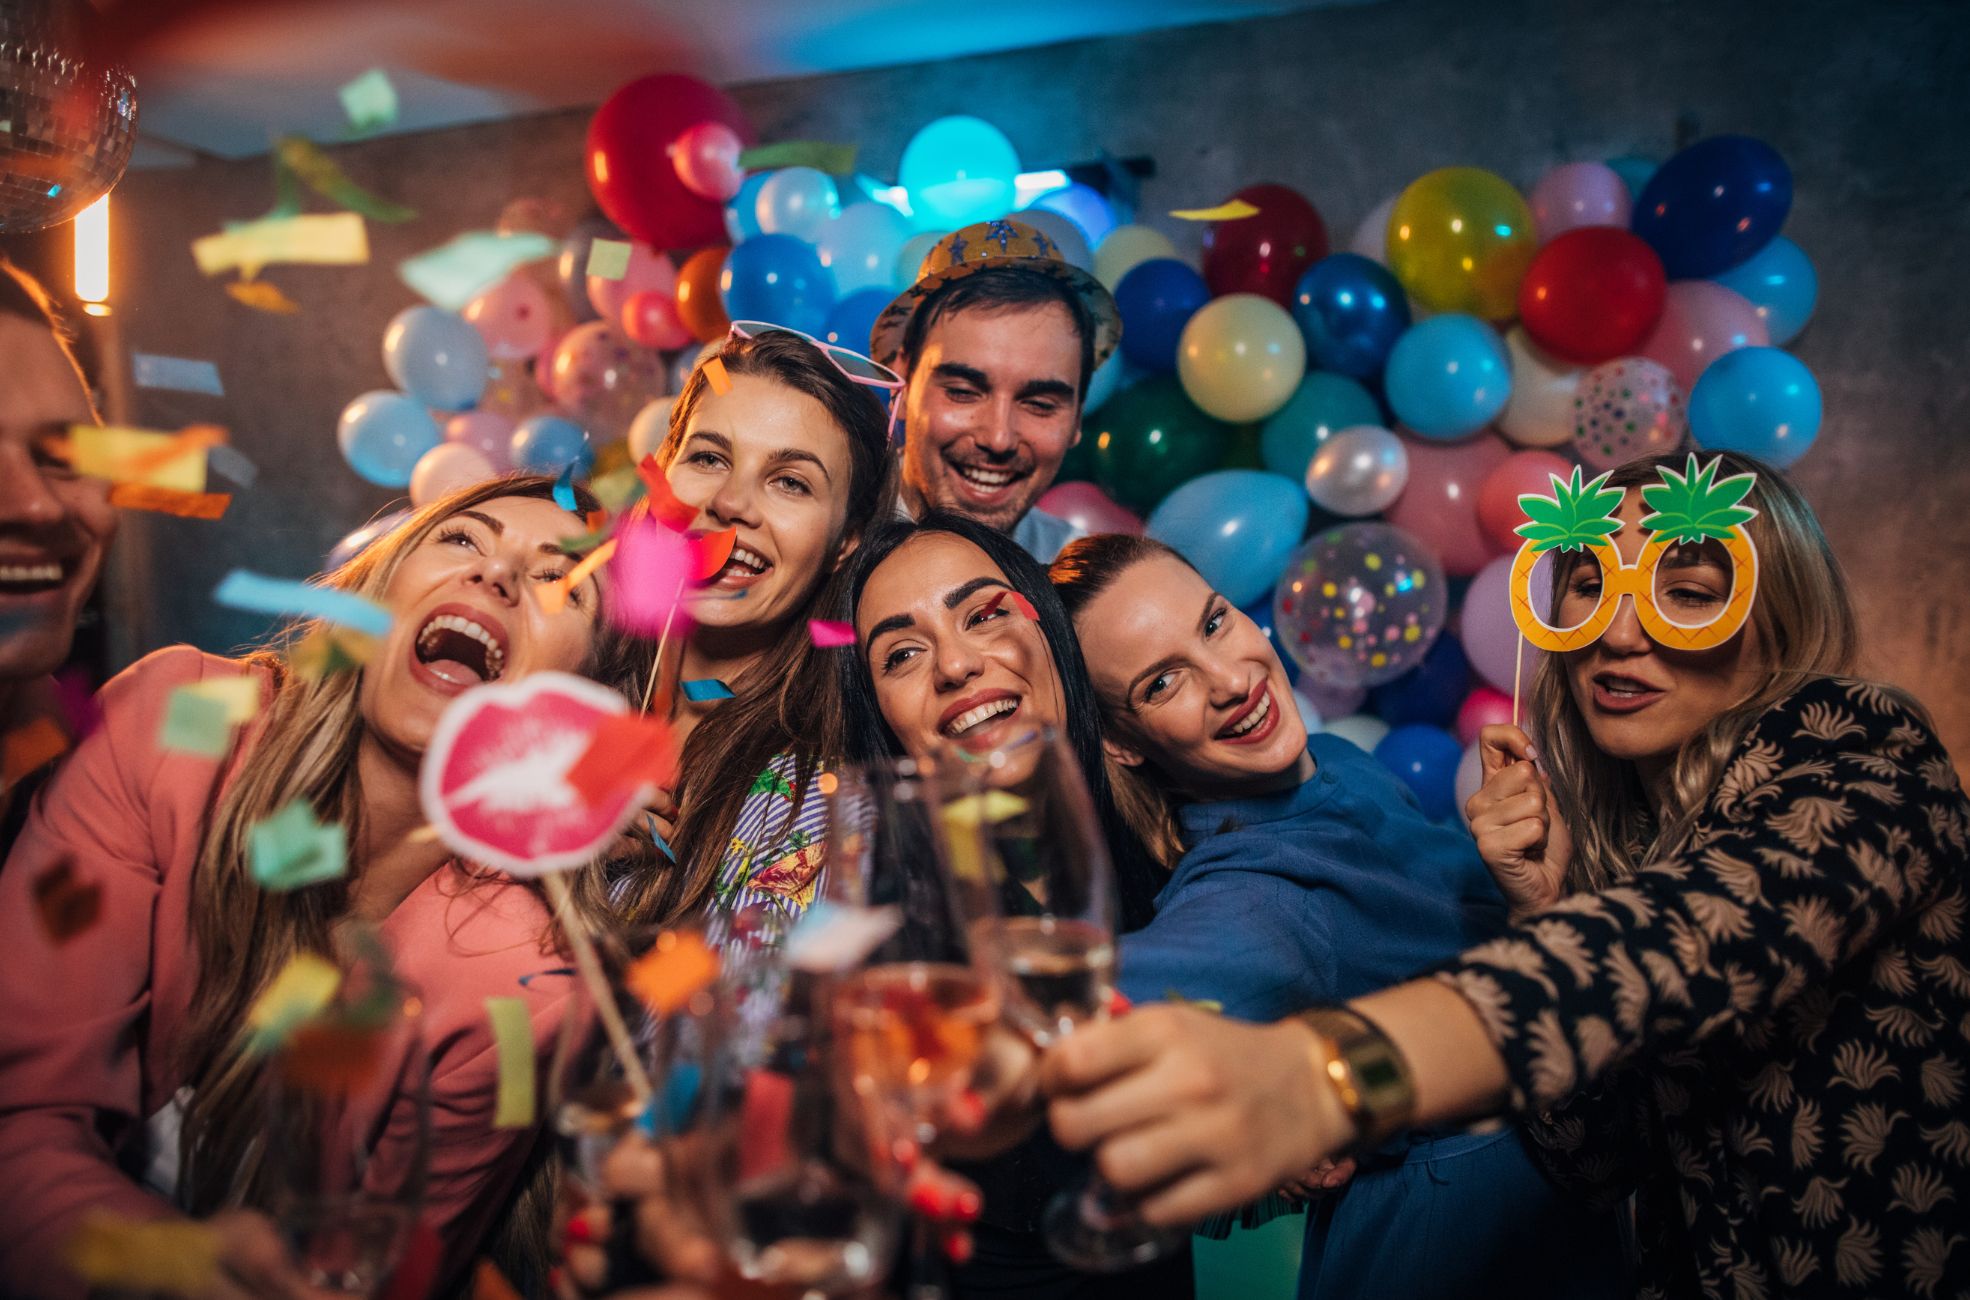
(1685, 1012)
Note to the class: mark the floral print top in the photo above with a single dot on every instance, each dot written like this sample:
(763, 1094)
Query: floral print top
(772, 867)
(1766, 1036)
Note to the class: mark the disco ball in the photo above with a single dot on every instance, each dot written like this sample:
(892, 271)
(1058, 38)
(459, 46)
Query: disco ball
(66, 126)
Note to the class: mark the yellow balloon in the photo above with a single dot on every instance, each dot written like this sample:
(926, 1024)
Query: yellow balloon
(1241, 357)
(1125, 247)
(1460, 239)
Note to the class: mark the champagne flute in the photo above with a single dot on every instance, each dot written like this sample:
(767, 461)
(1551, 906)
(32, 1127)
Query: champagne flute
(1022, 826)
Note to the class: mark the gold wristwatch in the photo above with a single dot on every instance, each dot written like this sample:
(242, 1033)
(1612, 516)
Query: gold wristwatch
(1367, 1073)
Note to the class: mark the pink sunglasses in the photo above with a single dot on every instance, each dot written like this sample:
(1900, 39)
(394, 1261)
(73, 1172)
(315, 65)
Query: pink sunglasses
(853, 365)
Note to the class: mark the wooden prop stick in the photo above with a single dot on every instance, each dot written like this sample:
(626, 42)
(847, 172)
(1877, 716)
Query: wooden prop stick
(590, 967)
(1518, 663)
(663, 643)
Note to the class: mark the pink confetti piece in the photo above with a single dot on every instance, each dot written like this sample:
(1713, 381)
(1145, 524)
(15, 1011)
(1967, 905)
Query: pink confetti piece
(829, 635)
(648, 575)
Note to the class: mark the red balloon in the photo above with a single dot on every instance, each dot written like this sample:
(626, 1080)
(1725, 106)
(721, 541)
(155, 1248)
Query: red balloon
(1498, 510)
(629, 165)
(1592, 294)
(650, 318)
(1264, 254)
(1089, 509)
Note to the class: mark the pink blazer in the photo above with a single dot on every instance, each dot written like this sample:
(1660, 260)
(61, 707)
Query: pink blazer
(87, 1028)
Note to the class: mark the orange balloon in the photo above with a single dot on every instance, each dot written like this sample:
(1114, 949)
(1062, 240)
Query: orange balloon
(698, 303)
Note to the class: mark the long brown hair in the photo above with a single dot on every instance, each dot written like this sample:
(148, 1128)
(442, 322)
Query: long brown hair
(244, 934)
(786, 702)
(1146, 797)
(1804, 622)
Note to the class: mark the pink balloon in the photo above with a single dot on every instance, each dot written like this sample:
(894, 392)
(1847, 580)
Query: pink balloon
(1701, 321)
(515, 318)
(1578, 194)
(1439, 506)
(600, 378)
(1483, 707)
(706, 157)
(1624, 409)
(649, 272)
(487, 432)
(652, 320)
(1498, 510)
(1089, 509)
(447, 466)
(1490, 637)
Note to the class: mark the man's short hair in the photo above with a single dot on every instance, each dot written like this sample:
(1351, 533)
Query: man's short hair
(1003, 288)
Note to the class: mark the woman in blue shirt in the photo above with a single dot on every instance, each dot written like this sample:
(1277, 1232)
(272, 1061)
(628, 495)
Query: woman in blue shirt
(1304, 872)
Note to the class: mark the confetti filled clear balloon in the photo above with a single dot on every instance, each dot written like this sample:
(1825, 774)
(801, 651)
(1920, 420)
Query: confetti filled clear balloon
(1627, 408)
(1360, 604)
(602, 379)
(69, 125)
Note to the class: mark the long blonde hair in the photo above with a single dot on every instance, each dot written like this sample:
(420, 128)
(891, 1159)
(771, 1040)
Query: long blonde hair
(244, 934)
(1804, 622)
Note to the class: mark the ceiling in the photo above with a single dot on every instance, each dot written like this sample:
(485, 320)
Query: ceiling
(225, 79)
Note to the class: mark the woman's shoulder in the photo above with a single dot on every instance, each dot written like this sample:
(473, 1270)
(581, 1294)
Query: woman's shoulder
(150, 680)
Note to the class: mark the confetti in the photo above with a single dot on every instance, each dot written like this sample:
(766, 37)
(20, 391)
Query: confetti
(564, 490)
(713, 550)
(239, 696)
(320, 173)
(834, 936)
(195, 724)
(582, 543)
(370, 101)
(656, 837)
(704, 689)
(328, 651)
(714, 368)
(651, 567)
(828, 635)
(290, 849)
(66, 907)
(453, 274)
(663, 505)
(300, 992)
(27, 747)
(963, 817)
(554, 596)
(140, 456)
(608, 259)
(325, 239)
(677, 966)
(262, 295)
(513, 1035)
(630, 750)
(526, 981)
(166, 501)
(488, 1283)
(834, 159)
(235, 466)
(243, 589)
(1236, 210)
(176, 1256)
(178, 374)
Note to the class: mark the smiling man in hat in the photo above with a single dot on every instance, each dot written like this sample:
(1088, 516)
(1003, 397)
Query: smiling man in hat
(997, 341)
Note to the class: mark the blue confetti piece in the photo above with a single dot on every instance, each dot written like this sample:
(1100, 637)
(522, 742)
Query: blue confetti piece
(529, 978)
(564, 490)
(243, 589)
(658, 837)
(178, 373)
(706, 688)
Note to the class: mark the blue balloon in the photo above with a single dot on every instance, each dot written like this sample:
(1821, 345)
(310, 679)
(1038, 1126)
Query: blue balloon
(1426, 759)
(1102, 384)
(1082, 205)
(548, 444)
(1156, 299)
(383, 433)
(852, 318)
(1351, 311)
(437, 357)
(1713, 205)
(797, 201)
(1781, 283)
(742, 209)
(1260, 611)
(1431, 692)
(1238, 526)
(1319, 408)
(1756, 401)
(1447, 376)
(1634, 171)
(959, 170)
(780, 280)
(358, 541)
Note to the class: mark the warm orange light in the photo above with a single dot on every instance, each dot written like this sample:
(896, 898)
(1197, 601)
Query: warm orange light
(92, 252)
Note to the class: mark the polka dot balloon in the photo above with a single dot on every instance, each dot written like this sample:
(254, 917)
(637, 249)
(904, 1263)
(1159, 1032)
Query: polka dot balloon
(1624, 409)
(1360, 604)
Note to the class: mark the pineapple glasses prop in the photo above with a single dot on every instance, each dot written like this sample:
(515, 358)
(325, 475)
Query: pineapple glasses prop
(1688, 508)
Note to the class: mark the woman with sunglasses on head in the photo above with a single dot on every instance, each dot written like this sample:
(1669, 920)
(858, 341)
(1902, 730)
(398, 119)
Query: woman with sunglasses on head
(1320, 861)
(129, 1083)
(1739, 982)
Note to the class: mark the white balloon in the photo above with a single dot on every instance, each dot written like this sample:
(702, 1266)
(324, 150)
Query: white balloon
(647, 430)
(445, 467)
(1365, 730)
(1062, 231)
(1123, 247)
(1371, 237)
(910, 260)
(1359, 470)
(1540, 410)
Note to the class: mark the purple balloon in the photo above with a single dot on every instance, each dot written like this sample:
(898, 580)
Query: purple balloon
(1490, 637)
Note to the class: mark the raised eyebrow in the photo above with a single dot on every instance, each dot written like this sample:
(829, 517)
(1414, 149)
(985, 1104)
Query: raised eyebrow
(711, 436)
(894, 623)
(959, 594)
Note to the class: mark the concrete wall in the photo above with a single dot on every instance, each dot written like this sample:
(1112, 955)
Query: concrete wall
(1868, 102)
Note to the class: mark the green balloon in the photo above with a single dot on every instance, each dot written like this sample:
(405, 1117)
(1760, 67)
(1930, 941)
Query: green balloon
(1077, 466)
(1323, 405)
(1149, 438)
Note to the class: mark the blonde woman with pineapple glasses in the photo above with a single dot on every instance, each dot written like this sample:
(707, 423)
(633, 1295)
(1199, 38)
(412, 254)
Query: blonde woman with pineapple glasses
(1738, 985)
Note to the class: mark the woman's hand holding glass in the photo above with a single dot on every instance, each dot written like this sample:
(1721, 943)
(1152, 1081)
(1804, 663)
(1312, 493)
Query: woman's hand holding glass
(1517, 824)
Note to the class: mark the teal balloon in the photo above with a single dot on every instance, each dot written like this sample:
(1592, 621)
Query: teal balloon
(1323, 405)
(437, 357)
(1448, 377)
(1634, 171)
(1780, 282)
(1759, 402)
(1102, 384)
(1237, 526)
(383, 434)
(959, 170)
(1149, 438)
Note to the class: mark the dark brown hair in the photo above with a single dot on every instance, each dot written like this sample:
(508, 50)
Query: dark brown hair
(1003, 288)
(23, 296)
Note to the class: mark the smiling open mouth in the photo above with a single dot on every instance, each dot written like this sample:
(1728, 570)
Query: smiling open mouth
(32, 579)
(978, 717)
(744, 563)
(1255, 717)
(988, 478)
(460, 649)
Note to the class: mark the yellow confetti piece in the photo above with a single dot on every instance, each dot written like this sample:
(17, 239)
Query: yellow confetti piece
(239, 696)
(262, 295)
(142, 457)
(513, 1036)
(323, 239)
(672, 972)
(975, 810)
(1235, 210)
(175, 1256)
(305, 986)
(608, 259)
(194, 724)
(330, 651)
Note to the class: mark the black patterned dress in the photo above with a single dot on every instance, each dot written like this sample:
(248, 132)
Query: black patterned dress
(1767, 1035)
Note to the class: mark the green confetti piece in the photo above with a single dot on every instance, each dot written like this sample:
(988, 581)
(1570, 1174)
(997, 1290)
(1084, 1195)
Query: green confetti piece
(513, 1036)
(370, 101)
(834, 159)
(608, 259)
(453, 274)
(195, 724)
(291, 849)
(319, 173)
